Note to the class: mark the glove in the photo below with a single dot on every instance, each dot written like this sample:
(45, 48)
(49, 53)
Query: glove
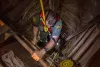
(37, 55)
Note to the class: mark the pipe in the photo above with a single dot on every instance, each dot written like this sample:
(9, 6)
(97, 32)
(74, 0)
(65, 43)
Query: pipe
(32, 45)
(82, 41)
(77, 41)
(23, 44)
(86, 44)
(88, 55)
(83, 29)
(28, 49)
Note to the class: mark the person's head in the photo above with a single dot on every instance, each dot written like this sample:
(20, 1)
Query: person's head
(50, 18)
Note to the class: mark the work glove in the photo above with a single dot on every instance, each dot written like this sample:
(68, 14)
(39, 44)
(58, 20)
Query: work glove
(37, 55)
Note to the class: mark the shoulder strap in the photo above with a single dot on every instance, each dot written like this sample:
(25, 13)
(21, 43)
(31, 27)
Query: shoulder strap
(41, 17)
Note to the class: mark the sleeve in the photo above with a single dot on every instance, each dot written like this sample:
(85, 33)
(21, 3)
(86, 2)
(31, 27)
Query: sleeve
(57, 29)
(36, 20)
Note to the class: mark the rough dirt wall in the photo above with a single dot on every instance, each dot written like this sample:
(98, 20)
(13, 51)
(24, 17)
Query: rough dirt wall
(74, 13)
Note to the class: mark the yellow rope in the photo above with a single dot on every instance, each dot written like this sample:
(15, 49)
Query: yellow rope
(43, 20)
(42, 12)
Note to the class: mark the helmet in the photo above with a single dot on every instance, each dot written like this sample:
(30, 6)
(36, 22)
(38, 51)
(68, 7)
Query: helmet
(51, 17)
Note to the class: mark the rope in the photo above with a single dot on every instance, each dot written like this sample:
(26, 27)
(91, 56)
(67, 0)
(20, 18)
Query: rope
(43, 20)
